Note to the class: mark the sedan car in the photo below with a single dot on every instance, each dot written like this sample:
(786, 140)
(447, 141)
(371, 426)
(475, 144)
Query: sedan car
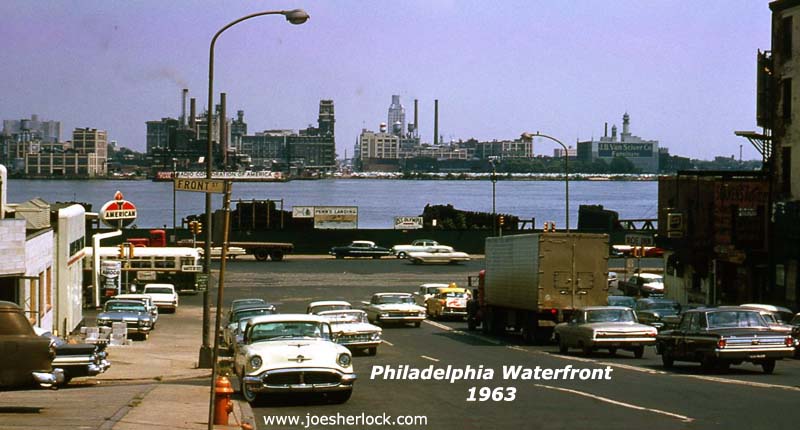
(394, 307)
(643, 284)
(76, 359)
(328, 305)
(231, 334)
(605, 327)
(401, 251)
(352, 329)
(148, 303)
(426, 291)
(360, 248)
(653, 310)
(449, 302)
(245, 302)
(26, 357)
(132, 312)
(286, 353)
(164, 296)
(438, 255)
(720, 337)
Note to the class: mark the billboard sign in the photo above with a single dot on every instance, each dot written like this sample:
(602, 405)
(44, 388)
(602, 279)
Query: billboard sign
(336, 217)
(302, 211)
(407, 222)
(119, 212)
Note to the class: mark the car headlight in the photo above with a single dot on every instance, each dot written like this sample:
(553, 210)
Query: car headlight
(376, 336)
(656, 315)
(384, 315)
(144, 322)
(256, 362)
(344, 359)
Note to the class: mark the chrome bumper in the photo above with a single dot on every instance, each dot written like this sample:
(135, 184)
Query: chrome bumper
(255, 383)
(751, 354)
(49, 379)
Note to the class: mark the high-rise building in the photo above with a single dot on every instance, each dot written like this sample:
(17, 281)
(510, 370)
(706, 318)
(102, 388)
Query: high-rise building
(397, 117)
(326, 119)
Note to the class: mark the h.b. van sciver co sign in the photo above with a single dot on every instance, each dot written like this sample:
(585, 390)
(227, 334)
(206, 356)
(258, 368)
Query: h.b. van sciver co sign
(119, 212)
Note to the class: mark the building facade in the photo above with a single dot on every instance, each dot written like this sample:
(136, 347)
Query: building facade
(86, 156)
(396, 120)
(644, 154)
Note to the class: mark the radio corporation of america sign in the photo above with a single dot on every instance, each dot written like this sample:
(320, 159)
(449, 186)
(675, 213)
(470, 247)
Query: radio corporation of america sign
(119, 212)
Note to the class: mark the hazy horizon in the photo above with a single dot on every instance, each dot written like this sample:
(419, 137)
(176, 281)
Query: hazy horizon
(684, 71)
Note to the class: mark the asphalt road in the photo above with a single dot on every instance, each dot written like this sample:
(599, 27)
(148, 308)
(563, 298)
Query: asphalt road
(639, 394)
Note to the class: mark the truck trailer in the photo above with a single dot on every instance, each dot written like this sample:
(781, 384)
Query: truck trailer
(534, 281)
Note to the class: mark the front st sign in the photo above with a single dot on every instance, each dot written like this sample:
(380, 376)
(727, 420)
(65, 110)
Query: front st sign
(200, 185)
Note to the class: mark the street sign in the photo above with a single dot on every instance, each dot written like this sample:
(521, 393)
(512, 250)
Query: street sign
(200, 185)
(638, 240)
(303, 212)
(119, 212)
(407, 222)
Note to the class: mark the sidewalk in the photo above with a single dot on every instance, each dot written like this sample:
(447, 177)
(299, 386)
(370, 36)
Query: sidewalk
(176, 393)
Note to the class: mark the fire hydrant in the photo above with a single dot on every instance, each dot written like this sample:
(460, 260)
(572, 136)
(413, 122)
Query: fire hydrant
(222, 400)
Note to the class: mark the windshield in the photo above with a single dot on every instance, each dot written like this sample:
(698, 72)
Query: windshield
(621, 301)
(346, 317)
(158, 290)
(653, 280)
(796, 320)
(610, 315)
(251, 313)
(124, 307)
(323, 308)
(727, 319)
(456, 295)
(672, 306)
(288, 330)
(395, 299)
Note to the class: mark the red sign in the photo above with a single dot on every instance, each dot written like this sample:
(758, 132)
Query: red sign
(118, 212)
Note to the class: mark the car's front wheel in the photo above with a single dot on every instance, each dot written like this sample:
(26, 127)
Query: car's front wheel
(401, 255)
(667, 359)
(248, 395)
(768, 366)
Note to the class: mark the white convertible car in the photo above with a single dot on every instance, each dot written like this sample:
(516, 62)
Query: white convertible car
(438, 255)
(285, 353)
(352, 329)
(394, 307)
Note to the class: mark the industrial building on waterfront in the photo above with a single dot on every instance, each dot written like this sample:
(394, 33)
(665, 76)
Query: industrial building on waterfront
(644, 154)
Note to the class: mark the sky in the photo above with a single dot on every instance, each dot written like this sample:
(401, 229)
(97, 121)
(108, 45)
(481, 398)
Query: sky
(683, 70)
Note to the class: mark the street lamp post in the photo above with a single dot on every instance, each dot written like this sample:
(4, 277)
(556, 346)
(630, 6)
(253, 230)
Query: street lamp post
(174, 206)
(529, 138)
(493, 161)
(296, 16)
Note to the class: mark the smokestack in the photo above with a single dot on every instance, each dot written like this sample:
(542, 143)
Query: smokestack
(605, 133)
(183, 107)
(416, 117)
(436, 122)
(223, 132)
(192, 114)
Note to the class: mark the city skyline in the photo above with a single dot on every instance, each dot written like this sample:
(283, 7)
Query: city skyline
(114, 67)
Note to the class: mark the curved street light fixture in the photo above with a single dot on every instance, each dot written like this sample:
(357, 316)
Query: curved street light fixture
(528, 137)
(207, 355)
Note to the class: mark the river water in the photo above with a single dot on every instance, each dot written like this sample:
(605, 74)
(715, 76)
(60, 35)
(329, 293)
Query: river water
(378, 200)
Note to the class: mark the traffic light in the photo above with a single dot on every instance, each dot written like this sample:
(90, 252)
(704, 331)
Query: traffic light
(121, 250)
(198, 227)
(502, 220)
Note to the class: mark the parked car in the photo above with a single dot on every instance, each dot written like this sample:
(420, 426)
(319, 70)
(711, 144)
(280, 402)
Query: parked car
(795, 323)
(394, 307)
(626, 301)
(76, 359)
(163, 295)
(643, 284)
(653, 310)
(449, 302)
(328, 305)
(148, 303)
(285, 353)
(401, 251)
(779, 314)
(132, 312)
(720, 337)
(26, 357)
(426, 291)
(352, 329)
(237, 319)
(245, 302)
(231, 253)
(604, 327)
(360, 248)
(438, 255)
